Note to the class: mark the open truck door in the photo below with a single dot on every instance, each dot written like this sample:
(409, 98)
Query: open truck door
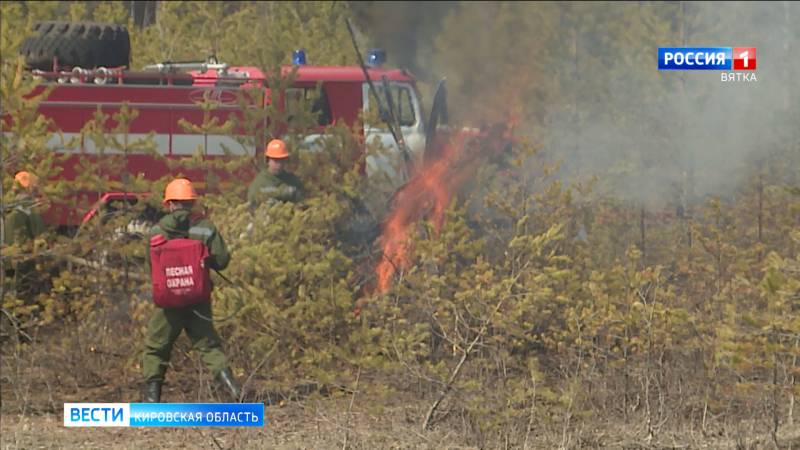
(434, 140)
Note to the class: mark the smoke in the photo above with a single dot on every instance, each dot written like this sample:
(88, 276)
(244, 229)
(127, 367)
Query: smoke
(690, 131)
(582, 79)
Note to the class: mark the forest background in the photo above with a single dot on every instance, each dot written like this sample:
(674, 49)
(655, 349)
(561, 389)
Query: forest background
(635, 283)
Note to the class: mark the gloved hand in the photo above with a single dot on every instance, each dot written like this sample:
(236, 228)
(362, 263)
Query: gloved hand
(39, 245)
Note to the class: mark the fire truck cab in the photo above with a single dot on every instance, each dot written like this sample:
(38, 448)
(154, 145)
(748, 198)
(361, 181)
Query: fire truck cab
(168, 96)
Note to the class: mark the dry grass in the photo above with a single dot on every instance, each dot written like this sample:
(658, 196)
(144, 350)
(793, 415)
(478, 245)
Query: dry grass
(98, 363)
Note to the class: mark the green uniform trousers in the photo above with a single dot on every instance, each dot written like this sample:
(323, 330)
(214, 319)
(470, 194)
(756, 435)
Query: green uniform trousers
(164, 328)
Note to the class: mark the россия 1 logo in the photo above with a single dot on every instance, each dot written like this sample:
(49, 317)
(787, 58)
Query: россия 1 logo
(736, 63)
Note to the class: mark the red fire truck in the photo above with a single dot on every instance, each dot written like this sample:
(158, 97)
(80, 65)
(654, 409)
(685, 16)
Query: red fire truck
(169, 96)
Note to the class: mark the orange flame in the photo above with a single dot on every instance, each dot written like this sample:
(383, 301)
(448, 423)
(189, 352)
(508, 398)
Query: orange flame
(429, 191)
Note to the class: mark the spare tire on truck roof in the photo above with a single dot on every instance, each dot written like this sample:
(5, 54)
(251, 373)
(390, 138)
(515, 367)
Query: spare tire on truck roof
(77, 44)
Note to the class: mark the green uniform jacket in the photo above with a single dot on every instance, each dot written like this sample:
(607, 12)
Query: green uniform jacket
(23, 223)
(284, 187)
(179, 224)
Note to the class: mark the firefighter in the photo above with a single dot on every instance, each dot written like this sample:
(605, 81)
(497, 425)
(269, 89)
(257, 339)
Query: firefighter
(166, 324)
(275, 183)
(23, 224)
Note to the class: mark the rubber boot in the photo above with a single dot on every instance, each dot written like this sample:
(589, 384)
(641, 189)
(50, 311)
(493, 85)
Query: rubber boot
(226, 378)
(152, 392)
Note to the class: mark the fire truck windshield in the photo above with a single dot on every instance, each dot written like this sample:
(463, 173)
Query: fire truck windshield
(404, 102)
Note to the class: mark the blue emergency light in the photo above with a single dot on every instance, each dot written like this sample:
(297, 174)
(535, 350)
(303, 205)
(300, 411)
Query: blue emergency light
(376, 57)
(299, 57)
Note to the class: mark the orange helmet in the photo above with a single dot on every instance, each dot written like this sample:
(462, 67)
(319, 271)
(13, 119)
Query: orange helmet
(26, 179)
(179, 189)
(276, 149)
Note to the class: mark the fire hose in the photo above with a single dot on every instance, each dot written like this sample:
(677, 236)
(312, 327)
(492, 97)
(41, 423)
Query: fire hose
(228, 317)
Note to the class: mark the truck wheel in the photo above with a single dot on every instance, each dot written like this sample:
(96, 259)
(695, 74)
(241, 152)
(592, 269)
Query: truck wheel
(80, 44)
